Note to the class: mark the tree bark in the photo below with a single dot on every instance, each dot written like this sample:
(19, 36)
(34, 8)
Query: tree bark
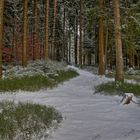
(1, 33)
(75, 39)
(35, 29)
(25, 34)
(53, 33)
(46, 31)
(118, 42)
(81, 31)
(101, 70)
(64, 24)
(69, 39)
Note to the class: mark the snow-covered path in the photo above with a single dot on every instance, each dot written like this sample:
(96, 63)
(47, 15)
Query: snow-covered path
(87, 116)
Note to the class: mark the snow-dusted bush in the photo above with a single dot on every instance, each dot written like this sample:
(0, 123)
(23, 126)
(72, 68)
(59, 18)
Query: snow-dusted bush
(34, 77)
(132, 71)
(38, 67)
(26, 121)
(118, 88)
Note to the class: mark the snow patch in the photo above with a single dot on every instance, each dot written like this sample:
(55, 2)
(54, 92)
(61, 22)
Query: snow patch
(87, 116)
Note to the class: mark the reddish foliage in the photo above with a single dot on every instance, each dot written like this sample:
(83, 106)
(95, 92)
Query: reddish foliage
(10, 54)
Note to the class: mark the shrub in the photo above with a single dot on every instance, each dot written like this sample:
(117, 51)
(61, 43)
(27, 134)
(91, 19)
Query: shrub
(26, 121)
(118, 88)
(36, 82)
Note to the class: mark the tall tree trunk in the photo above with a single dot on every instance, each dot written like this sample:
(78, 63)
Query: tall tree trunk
(53, 33)
(13, 35)
(96, 40)
(81, 31)
(106, 47)
(1, 33)
(118, 42)
(101, 70)
(35, 29)
(69, 40)
(75, 39)
(47, 30)
(25, 34)
(64, 24)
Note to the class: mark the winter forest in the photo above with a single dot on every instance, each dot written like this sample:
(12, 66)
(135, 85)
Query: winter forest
(78, 32)
(76, 56)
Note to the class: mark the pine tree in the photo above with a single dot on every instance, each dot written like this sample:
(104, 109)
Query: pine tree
(64, 25)
(101, 70)
(53, 33)
(1, 33)
(47, 30)
(81, 31)
(118, 42)
(35, 28)
(25, 28)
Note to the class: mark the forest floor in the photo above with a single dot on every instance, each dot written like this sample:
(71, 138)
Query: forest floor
(87, 116)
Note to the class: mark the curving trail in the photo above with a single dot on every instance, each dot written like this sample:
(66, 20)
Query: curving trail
(87, 116)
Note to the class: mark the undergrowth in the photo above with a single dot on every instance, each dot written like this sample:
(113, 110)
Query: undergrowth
(36, 82)
(26, 121)
(118, 88)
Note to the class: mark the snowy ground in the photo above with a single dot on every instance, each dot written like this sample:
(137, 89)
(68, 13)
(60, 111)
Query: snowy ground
(87, 116)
